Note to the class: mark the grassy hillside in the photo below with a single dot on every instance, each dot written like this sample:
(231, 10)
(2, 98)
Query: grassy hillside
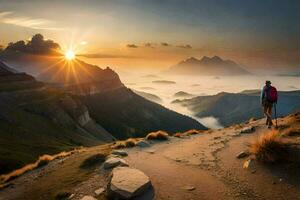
(38, 122)
(232, 108)
(125, 114)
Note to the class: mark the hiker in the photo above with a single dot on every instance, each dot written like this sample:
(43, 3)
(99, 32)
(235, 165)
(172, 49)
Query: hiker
(268, 98)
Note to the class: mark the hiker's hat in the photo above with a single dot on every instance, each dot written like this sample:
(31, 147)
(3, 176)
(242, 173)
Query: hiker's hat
(268, 82)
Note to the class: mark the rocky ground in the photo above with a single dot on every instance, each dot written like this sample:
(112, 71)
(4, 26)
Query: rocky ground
(202, 166)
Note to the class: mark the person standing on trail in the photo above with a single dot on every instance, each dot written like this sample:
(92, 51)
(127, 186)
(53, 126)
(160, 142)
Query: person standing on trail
(268, 98)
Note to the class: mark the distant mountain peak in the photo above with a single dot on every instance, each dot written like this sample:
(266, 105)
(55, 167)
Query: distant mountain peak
(212, 66)
(216, 58)
(205, 59)
(192, 59)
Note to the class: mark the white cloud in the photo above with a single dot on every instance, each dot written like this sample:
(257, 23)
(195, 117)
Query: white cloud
(8, 17)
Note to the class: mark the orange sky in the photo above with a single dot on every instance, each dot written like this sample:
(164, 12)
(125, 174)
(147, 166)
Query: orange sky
(140, 34)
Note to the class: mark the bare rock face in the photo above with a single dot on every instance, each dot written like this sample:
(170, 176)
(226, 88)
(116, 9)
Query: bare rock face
(114, 162)
(127, 183)
(76, 109)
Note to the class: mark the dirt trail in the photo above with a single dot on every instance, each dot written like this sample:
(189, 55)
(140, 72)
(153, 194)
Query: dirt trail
(202, 166)
(208, 163)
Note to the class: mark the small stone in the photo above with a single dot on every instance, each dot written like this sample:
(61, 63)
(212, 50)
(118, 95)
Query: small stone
(247, 164)
(120, 153)
(189, 188)
(71, 196)
(242, 154)
(151, 151)
(112, 156)
(250, 129)
(114, 162)
(88, 198)
(143, 144)
(99, 191)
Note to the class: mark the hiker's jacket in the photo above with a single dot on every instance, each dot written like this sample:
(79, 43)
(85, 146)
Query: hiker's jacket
(263, 94)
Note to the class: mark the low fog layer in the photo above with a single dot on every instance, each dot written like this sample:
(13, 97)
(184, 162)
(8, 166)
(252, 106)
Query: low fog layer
(203, 85)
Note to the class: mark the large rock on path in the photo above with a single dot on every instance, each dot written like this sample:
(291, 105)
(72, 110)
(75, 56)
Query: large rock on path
(127, 183)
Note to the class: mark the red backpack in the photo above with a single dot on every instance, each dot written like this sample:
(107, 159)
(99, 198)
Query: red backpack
(272, 95)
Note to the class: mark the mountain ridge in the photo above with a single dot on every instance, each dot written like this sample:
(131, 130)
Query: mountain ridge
(239, 106)
(209, 66)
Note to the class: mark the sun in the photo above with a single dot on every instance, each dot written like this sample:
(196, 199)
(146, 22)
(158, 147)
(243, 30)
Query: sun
(70, 55)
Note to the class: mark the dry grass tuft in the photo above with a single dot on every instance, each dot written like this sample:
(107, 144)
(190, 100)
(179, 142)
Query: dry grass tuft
(269, 148)
(252, 119)
(291, 132)
(159, 135)
(42, 161)
(192, 132)
(131, 142)
(178, 135)
(237, 126)
(119, 145)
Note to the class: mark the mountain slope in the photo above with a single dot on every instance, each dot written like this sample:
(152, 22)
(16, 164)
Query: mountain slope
(36, 119)
(149, 96)
(232, 108)
(214, 66)
(125, 114)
